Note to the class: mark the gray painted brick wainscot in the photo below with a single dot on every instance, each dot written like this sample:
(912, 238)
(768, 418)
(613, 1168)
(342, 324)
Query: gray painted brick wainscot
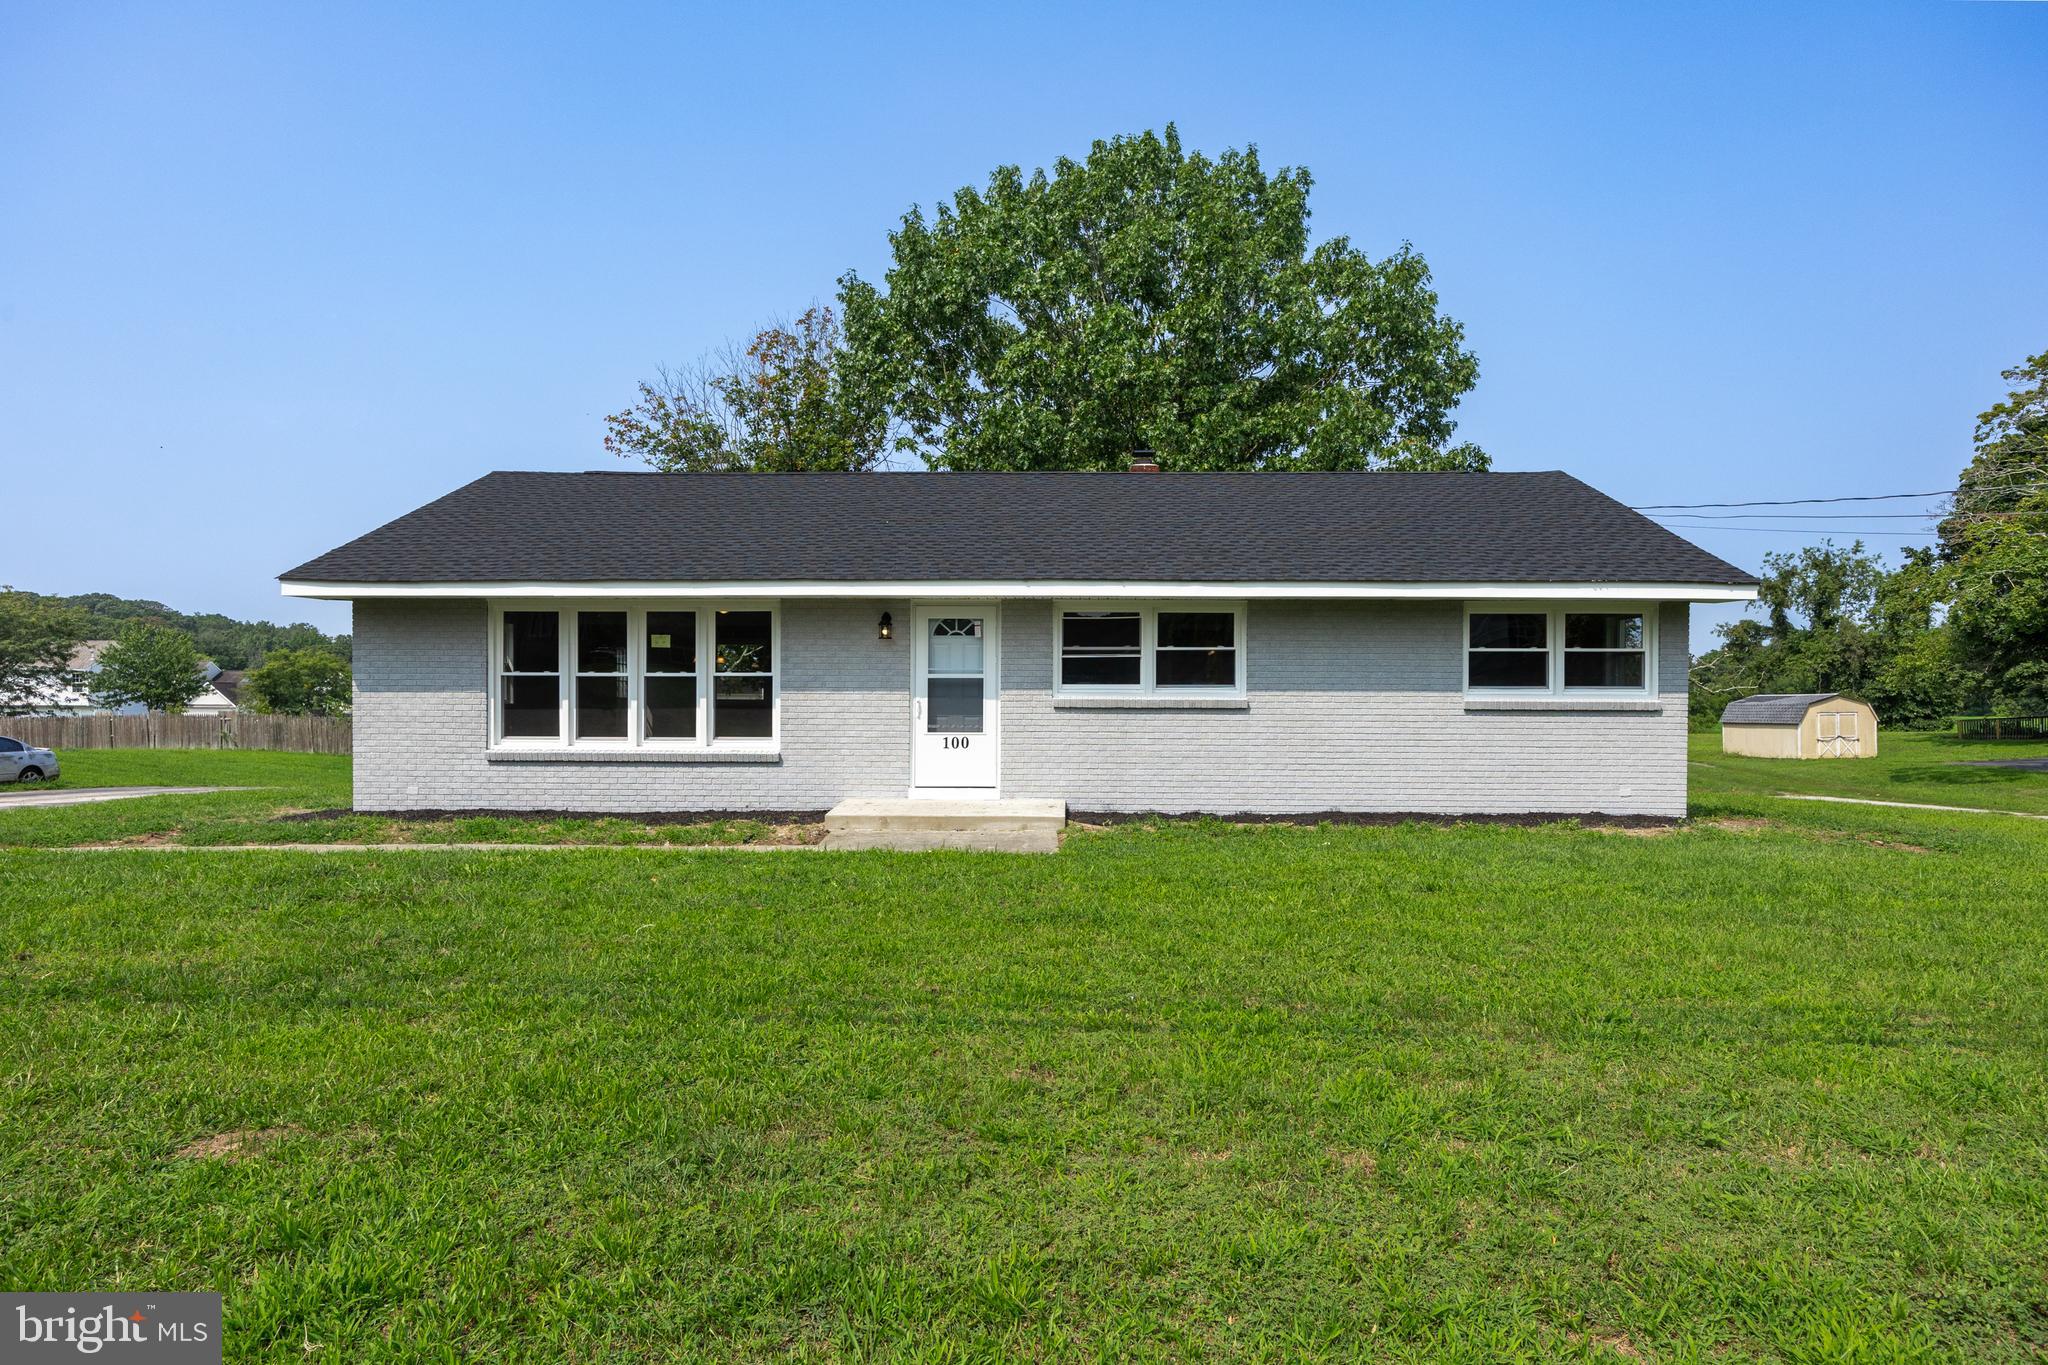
(1350, 705)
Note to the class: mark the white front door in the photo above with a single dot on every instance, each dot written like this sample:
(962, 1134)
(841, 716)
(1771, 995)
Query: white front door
(955, 701)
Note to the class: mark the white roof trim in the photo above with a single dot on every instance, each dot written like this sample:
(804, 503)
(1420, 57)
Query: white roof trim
(1027, 588)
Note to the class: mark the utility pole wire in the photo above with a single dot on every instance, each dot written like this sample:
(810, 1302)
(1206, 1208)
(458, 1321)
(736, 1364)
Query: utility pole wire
(2020, 487)
(1807, 516)
(1791, 502)
(1806, 530)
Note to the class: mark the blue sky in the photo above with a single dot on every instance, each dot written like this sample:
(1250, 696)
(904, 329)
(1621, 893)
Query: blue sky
(272, 275)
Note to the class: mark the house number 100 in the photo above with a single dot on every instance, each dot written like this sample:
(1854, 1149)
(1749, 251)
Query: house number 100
(956, 741)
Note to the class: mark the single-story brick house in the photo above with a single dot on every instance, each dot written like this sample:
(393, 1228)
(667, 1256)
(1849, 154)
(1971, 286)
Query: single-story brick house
(1233, 643)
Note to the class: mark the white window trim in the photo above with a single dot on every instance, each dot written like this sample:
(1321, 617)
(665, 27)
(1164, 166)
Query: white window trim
(564, 740)
(572, 628)
(497, 671)
(1554, 614)
(636, 648)
(1148, 647)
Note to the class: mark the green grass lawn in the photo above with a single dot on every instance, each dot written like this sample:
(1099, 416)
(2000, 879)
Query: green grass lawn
(1936, 768)
(1772, 1086)
(317, 776)
(1929, 768)
(284, 783)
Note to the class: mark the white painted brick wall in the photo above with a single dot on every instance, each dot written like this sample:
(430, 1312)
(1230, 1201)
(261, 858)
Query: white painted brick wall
(1353, 706)
(421, 722)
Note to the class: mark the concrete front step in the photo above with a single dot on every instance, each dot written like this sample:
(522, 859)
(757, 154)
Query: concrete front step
(1001, 826)
(974, 840)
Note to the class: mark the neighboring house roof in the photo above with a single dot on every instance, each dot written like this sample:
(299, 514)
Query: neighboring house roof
(211, 700)
(1154, 528)
(1773, 708)
(228, 682)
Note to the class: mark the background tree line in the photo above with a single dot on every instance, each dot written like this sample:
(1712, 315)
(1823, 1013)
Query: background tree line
(156, 656)
(226, 641)
(1959, 627)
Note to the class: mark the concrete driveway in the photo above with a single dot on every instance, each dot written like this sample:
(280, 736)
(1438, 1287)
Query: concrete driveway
(32, 796)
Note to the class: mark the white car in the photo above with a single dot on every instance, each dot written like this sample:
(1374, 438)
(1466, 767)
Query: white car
(23, 763)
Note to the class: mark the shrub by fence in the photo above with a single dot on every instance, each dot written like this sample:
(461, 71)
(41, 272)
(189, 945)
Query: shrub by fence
(2002, 727)
(159, 730)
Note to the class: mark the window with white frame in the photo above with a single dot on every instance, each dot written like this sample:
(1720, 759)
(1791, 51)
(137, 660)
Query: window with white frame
(1558, 650)
(1194, 649)
(668, 671)
(629, 676)
(530, 675)
(1167, 649)
(1507, 649)
(600, 707)
(743, 675)
(1605, 649)
(1102, 648)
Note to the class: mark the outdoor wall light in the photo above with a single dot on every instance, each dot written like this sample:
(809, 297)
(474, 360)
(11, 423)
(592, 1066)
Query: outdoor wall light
(884, 630)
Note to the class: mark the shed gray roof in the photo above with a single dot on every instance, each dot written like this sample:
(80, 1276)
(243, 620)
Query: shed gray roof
(1219, 528)
(1773, 708)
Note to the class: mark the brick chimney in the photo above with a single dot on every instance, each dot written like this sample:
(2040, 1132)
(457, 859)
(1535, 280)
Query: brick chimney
(1143, 461)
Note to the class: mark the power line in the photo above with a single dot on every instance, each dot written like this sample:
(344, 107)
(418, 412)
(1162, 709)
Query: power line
(2019, 487)
(1774, 524)
(1806, 530)
(1809, 516)
(1790, 521)
(1792, 502)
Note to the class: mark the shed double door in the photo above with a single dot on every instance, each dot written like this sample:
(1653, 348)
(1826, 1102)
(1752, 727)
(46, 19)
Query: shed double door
(1836, 734)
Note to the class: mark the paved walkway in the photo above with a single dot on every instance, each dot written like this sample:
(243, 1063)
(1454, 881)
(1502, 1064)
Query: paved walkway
(1911, 805)
(79, 796)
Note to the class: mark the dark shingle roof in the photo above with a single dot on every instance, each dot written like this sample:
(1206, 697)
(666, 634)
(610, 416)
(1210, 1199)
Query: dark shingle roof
(1773, 708)
(1220, 528)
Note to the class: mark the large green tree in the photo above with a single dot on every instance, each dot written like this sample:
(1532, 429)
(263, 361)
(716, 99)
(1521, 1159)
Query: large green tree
(2010, 466)
(1151, 296)
(299, 682)
(1992, 560)
(150, 664)
(1920, 679)
(782, 404)
(37, 636)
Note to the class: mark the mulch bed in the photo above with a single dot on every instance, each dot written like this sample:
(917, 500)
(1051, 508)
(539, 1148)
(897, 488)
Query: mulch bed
(1079, 817)
(652, 817)
(1352, 817)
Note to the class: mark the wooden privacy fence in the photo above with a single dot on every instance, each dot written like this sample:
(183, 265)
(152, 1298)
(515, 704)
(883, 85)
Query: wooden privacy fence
(159, 730)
